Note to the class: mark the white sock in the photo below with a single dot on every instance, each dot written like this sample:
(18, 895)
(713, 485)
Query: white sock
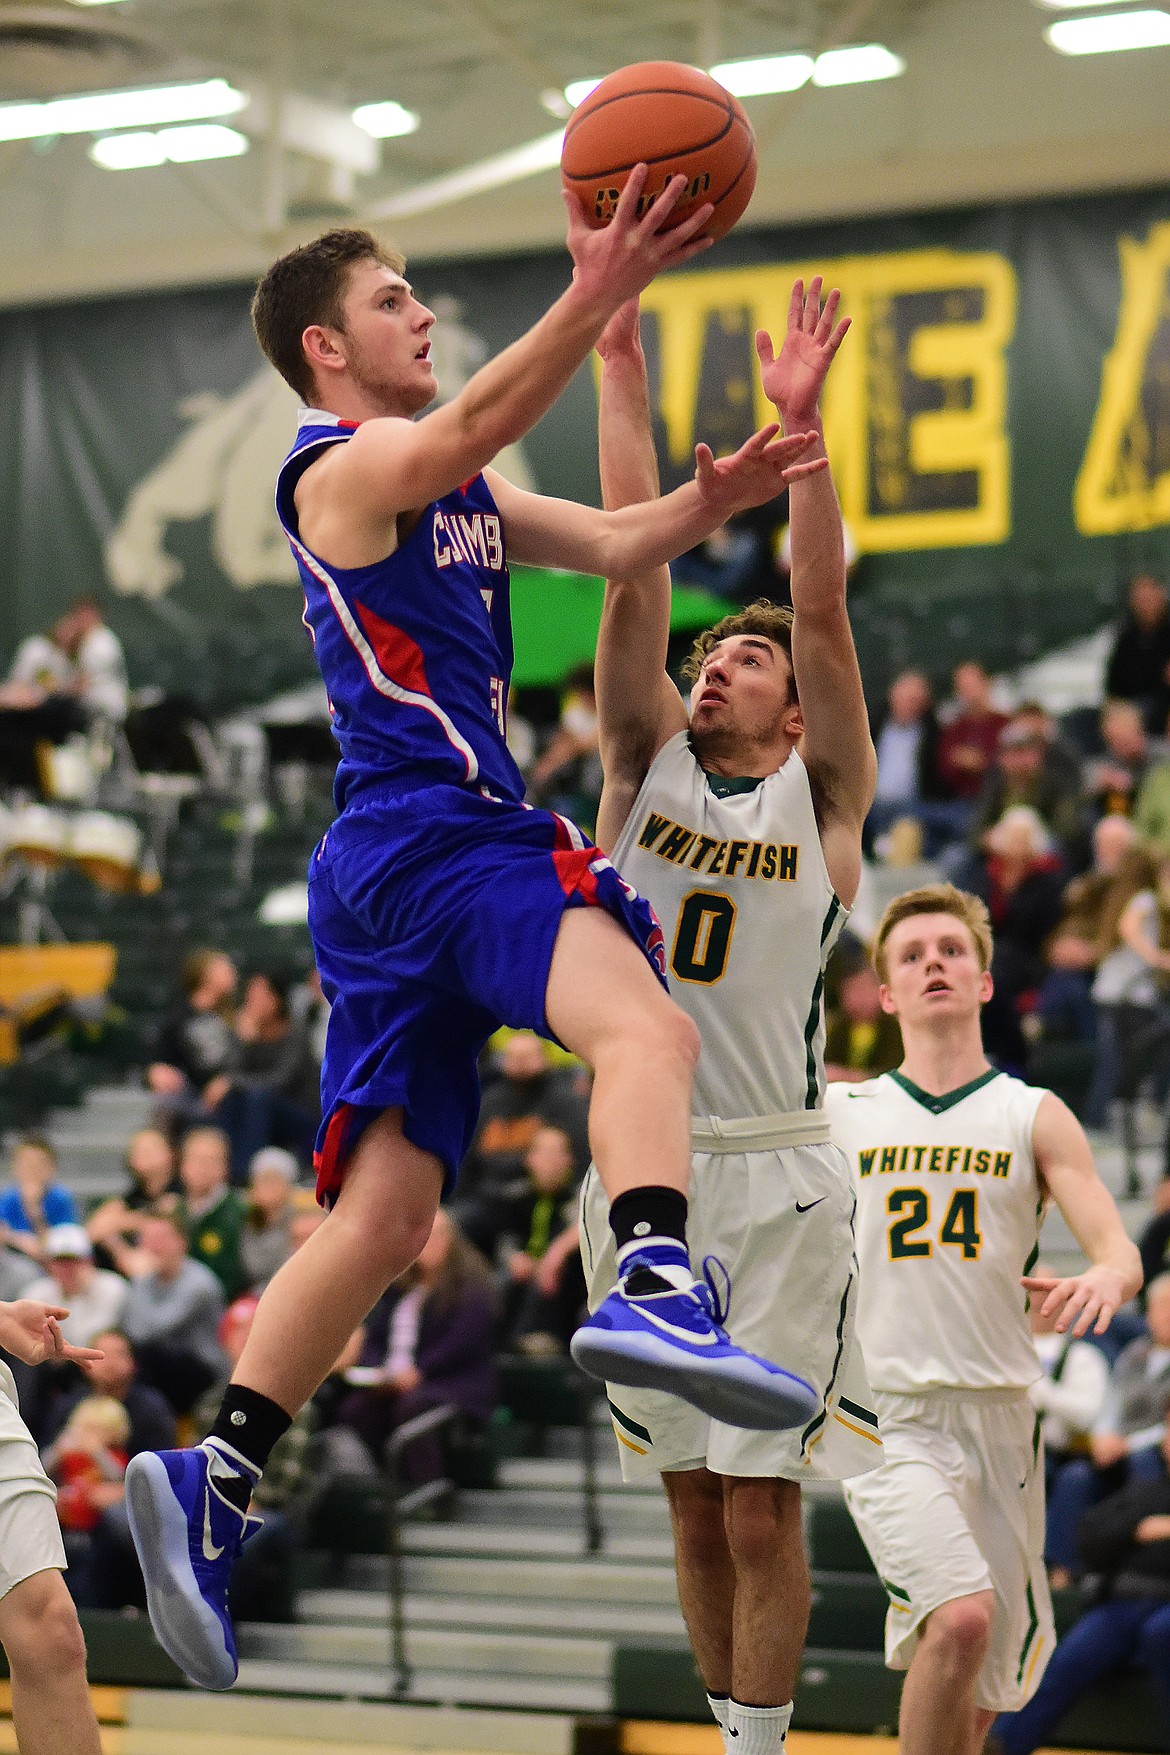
(757, 1730)
(719, 1704)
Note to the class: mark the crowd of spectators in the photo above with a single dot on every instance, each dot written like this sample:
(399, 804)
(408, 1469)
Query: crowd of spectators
(164, 1276)
(1062, 826)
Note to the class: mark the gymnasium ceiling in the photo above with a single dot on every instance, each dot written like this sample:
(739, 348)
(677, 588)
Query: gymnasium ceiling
(984, 111)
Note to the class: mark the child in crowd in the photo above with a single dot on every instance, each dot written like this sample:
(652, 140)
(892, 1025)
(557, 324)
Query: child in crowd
(88, 1461)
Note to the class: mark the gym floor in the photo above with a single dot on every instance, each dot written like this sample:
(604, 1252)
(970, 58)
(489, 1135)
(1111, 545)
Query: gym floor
(162, 1722)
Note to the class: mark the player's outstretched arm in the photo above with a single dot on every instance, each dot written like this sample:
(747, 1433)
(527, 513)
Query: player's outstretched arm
(837, 747)
(638, 706)
(394, 465)
(1064, 1161)
(635, 539)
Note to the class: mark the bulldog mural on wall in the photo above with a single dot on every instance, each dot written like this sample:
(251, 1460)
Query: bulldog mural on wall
(224, 466)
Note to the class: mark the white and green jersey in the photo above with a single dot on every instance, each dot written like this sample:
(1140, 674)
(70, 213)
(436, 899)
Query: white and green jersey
(948, 1213)
(735, 872)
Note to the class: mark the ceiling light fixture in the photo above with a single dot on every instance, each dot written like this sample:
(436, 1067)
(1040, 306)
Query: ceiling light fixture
(178, 146)
(99, 111)
(578, 90)
(1109, 32)
(541, 154)
(128, 152)
(386, 121)
(857, 65)
(767, 73)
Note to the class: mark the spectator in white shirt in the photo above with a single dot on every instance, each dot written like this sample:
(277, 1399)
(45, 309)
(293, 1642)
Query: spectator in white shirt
(99, 662)
(94, 1297)
(1069, 1398)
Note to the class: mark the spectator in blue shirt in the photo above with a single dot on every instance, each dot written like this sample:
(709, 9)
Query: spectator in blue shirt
(34, 1202)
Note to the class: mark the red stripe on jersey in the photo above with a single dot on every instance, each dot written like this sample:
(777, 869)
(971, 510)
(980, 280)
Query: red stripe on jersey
(574, 871)
(329, 1162)
(398, 656)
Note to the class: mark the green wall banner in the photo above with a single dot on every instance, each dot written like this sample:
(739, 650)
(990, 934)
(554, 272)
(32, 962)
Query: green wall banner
(998, 421)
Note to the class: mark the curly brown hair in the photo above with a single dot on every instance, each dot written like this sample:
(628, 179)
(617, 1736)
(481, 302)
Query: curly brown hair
(308, 286)
(770, 621)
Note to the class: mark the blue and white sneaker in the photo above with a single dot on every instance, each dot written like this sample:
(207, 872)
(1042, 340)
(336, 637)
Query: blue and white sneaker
(188, 1534)
(674, 1340)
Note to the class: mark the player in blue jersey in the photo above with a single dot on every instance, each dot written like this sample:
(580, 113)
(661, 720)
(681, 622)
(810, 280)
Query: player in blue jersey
(440, 904)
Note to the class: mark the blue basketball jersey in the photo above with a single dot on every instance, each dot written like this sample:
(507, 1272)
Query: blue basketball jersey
(416, 649)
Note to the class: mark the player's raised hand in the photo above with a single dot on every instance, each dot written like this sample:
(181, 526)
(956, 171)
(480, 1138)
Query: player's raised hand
(614, 263)
(1081, 1301)
(758, 470)
(32, 1331)
(792, 379)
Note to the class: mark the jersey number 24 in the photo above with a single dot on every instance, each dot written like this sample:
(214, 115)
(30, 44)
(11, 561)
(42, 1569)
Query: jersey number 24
(909, 1210)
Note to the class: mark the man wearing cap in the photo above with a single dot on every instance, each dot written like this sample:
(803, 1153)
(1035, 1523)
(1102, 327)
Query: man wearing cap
(1023, 774)
(95, 1296)
(266, 1240)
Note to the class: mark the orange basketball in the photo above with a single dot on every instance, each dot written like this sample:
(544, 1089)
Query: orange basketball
(674, 118)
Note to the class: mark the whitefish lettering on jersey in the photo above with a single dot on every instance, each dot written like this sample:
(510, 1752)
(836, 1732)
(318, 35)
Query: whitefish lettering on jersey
(681, 846)
(940, 1160)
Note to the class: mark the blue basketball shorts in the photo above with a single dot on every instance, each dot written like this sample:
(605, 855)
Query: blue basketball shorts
(433, 917)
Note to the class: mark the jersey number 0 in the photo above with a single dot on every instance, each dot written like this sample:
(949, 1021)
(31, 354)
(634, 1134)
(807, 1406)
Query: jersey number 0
(702, 940)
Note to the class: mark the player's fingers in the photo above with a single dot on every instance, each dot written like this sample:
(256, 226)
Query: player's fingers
(838, 335)
(675, 257)
(759, 444)
(1074, 1303)
(789, 447)
(704, 463)
(693, 226)
(626, 211)
(797, 471)
(1085, 1320)
(1108, 1312)
(81, 1355)
(1031, 1283)
(1056, 1300)
(812, 305)
(765, 352)
(796, 305)
(662, 206)
(829, 313)
(576, 209)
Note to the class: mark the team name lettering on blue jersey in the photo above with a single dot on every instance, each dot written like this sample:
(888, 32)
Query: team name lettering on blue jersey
(474, 539)
(415, 649)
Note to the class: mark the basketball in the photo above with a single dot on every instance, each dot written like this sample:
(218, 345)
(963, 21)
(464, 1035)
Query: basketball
(673, 118)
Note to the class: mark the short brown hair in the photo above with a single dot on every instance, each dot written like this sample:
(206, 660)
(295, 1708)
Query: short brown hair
(770, 621)
(934, 899)
(307, 286)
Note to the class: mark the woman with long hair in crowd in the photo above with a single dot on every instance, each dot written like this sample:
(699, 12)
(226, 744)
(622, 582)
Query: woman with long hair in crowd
(430, 1339)
(1128, 991)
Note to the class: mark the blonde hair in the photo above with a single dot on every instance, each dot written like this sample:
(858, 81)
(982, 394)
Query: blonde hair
(106, 1410)
(934, 899)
